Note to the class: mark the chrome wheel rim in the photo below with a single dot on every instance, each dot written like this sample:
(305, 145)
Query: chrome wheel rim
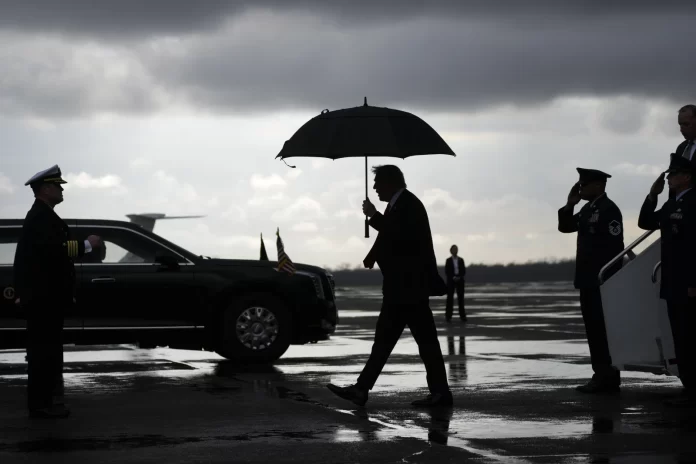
(257, 328)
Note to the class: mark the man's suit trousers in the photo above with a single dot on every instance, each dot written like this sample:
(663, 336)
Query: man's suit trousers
(393, 318)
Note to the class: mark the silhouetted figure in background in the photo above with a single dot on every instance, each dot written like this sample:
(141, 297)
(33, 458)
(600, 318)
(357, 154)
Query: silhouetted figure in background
(404, 252)
(455, 270)
(687, 126)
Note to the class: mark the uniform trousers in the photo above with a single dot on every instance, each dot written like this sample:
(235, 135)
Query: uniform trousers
(393, 318)
(593, 317)
(682, 318)
(44, 356)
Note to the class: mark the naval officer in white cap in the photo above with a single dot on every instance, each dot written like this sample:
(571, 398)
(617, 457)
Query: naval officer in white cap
(44, 278)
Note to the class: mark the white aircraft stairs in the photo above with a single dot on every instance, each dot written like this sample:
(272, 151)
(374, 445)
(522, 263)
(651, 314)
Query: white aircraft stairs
(638, 328)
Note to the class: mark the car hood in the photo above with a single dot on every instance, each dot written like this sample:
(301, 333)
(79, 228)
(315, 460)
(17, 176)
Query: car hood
(262, 264)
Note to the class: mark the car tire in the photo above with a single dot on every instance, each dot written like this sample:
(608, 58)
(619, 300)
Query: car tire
(256, 329)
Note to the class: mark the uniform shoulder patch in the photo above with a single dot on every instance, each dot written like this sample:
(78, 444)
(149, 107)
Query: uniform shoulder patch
(614, 227)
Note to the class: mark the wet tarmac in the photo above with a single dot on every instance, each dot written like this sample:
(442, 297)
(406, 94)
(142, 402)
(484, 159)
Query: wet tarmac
(512, 368)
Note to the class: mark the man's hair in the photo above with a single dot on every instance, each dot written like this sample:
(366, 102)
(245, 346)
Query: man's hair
(685, 108)
(36, 187)
(390, 173)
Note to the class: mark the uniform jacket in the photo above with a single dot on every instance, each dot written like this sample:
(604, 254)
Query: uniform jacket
(449, 269)
(43, 266)
(404, 252)
(600, 238)
(677, 223)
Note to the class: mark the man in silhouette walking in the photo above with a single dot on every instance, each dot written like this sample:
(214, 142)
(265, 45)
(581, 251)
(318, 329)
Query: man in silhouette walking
(404, 252)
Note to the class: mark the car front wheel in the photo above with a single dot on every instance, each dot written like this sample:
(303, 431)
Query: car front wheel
(257, 328)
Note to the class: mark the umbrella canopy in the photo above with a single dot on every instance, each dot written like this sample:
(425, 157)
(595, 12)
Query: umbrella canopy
(364, 131)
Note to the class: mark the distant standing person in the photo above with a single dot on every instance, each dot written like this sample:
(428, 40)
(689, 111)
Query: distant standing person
(455, 270)
(686, 118)
(599, 225)
(677, 223)
(687, 126)
(45, 283)
(404, 252)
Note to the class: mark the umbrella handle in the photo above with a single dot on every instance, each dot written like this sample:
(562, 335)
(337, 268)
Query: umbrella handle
(367, 228)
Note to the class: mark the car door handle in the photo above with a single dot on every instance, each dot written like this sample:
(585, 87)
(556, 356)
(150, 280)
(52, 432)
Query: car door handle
(103, 279)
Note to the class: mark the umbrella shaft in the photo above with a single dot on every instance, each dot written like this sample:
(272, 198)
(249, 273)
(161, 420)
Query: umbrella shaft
(366, 177)
(367, 225)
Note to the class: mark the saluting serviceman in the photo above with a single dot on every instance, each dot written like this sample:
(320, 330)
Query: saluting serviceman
(45, 284)
(677, 223)
(600, 238)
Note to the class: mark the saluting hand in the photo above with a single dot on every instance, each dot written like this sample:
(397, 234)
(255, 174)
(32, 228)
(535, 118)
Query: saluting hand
(658, 186)
(574, 195)
(368, 208)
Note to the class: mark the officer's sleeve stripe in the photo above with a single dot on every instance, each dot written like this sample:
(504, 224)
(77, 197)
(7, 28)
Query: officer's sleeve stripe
(72, 248)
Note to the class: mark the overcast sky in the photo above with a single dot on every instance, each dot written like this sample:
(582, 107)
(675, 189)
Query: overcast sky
(180, 107)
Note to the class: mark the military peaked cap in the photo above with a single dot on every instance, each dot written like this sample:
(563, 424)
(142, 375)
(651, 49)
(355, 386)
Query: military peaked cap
(592, 175)
(51, 174)
(680, 164)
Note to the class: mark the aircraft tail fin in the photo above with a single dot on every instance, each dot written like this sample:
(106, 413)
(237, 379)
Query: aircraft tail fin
(147, 220)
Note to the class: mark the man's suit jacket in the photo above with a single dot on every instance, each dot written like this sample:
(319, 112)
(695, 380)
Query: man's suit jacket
(449, 269)
(404, 252)
(680, 148)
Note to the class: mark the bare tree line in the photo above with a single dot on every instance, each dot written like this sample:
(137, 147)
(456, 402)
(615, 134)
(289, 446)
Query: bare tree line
(541, 271)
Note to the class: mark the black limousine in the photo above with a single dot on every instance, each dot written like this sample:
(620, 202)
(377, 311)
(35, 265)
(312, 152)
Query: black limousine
(140, 288)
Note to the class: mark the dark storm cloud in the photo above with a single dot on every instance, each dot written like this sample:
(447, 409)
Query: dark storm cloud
(228, 56)
(153, 17)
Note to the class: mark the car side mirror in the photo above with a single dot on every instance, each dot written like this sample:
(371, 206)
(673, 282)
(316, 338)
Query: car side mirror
(167, 261)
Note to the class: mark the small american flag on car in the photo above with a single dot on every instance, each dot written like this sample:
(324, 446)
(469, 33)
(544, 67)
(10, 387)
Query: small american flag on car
(284, 262)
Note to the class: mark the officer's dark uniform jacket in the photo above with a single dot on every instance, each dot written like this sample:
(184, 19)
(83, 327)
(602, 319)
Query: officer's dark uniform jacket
(677, 223)
(43, 267)
(600, 238)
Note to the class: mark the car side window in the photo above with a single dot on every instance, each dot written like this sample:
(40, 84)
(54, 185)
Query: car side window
(9, 236)
(120, 246)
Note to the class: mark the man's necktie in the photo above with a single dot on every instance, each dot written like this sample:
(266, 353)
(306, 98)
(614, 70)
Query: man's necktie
(687, 151)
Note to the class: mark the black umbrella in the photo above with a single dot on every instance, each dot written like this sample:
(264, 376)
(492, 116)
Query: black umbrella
(364, 131)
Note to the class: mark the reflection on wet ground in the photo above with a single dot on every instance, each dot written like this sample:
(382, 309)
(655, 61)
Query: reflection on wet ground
(512, 368)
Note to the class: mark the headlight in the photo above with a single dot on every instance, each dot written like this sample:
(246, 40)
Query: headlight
(317, 283)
